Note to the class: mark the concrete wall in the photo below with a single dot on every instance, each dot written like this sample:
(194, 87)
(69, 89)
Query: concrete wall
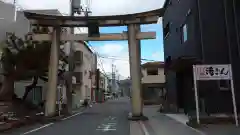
(22, 26)
(6, 18)
(160, 78)
(19, 88)
(7, 11)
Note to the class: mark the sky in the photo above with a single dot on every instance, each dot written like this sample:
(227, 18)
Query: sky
(116, 52)
(150, 49)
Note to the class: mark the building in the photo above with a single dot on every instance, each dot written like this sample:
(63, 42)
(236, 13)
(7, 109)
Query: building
(125, 87)
(7, 11)
(103, 87)
(104, 82)
(153, 82)
(113, 82)
(84, 67)
(201, 32)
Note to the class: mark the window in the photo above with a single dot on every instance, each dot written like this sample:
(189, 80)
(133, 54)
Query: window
(166, 30)
(78, 55)
(78, 76)
(170, 2)
(184, 34)
(152, 71)
(224, 85)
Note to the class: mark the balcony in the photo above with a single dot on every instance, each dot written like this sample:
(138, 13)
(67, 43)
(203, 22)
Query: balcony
(153, 79)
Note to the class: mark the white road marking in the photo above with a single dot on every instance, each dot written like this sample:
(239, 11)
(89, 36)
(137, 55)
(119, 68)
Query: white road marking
(72, 116)
(109, 124)
(106, 128)
(34, 130)
(47, 125)
(109, 129)
(144, 128)
(113, 118)
(112, 123)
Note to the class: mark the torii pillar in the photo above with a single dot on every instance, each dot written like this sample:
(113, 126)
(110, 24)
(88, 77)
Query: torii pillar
(51, 95)
(135, 73)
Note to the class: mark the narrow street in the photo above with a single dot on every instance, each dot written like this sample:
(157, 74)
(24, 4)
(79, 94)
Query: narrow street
(102, 119)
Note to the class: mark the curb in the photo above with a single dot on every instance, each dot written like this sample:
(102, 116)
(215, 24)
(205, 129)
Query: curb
(28, 121)
(13, 124)
(194, 124)
(143, 128)
(34, 120)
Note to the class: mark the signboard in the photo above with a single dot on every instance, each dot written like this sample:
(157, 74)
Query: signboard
(212, 72)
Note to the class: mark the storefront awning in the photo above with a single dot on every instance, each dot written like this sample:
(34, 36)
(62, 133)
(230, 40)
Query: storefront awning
(182, 63)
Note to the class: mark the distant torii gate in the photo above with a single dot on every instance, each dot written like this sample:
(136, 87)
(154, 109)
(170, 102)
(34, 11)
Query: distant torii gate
(133, 36)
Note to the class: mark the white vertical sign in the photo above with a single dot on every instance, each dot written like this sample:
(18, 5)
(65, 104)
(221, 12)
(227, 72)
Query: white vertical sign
(213, 72)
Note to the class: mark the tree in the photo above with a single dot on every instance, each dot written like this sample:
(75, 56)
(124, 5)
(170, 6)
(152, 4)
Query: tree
(24, 59)
(18, 58)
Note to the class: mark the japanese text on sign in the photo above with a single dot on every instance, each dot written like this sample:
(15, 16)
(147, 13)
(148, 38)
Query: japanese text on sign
(212, 72)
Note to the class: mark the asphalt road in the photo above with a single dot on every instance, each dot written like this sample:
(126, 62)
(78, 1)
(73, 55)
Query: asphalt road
(109, 118)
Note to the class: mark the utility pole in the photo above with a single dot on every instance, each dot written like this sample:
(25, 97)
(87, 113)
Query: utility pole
(97, 84)
(71, 65)
(113, 78)
(75, 7)
(15, 9)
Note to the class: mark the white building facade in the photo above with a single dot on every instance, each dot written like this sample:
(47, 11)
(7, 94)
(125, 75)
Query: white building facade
(84, 68)
(153, 82)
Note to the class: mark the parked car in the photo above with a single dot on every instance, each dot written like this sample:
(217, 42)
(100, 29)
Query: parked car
(108, 96)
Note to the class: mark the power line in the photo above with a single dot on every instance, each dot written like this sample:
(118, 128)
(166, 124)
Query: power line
(121, 58)
(100, 61)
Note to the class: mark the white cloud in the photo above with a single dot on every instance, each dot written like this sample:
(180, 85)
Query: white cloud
(119, 59)
(98, 7)
(156, 55)
(108, 7)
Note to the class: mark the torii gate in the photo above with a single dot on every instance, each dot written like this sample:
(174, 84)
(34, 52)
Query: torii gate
(133, 36)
